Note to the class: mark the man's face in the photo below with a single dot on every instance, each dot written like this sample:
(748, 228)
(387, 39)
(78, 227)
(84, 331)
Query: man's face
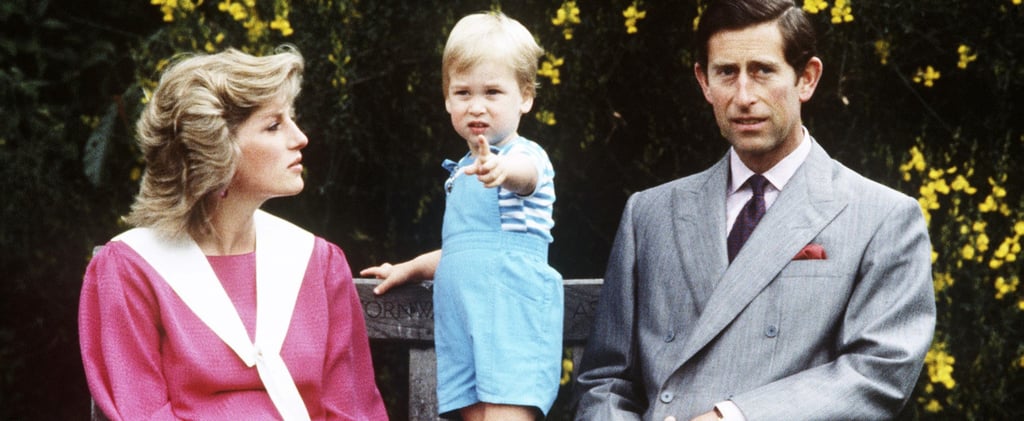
(755, 93)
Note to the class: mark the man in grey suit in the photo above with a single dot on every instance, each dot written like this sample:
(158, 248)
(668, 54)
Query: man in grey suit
(825, 312)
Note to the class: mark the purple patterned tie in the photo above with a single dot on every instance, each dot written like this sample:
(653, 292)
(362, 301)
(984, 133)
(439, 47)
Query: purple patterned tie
(748, 217)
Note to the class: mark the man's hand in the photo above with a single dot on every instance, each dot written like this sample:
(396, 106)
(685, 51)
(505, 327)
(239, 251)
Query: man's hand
(708, 416)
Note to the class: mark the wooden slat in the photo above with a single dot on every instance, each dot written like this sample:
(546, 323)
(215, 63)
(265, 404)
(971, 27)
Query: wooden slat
(422, 384)
(406, 313)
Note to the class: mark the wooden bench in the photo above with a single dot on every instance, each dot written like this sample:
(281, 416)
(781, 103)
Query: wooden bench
(405, 316)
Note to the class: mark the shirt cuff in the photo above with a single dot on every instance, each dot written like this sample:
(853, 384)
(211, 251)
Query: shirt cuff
(730, 412)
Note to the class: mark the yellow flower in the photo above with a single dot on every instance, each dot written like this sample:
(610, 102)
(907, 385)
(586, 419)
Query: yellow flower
(1004, 287)
(942, 281)
(883, 49)
(998, 192)
(967, 252)
(960, 183)
(842, 12)
(940, 366)
(988, 205)
(966, 56)
(566, 16)
(815, 6)
(933, 406)
(546, 117)
(167, 7)
(632, 15)
(281, 23)
(566, 371)
(979, 226)
(549, 68)
(927, 76)
(700, 11)
(982, 242)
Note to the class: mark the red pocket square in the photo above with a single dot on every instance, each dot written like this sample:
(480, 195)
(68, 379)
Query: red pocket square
(811, 252)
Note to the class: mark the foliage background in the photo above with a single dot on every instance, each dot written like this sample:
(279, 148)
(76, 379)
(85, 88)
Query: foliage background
(922, 95)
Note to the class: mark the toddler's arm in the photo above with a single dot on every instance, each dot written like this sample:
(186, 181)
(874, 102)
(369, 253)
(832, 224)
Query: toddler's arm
(420, 268)
(514, 172)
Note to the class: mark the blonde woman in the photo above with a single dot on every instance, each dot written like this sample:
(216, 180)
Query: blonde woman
(211, 308)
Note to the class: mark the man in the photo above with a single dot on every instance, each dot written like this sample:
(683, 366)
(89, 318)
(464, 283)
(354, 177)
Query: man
(825, 312)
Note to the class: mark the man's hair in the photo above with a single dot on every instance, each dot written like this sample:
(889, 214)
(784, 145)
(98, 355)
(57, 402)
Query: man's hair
(187, 131)
(488, 36)
(798, 37)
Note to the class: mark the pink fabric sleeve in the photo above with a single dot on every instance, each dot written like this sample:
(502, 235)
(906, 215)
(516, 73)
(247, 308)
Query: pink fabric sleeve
(350, 390)
(120, 338)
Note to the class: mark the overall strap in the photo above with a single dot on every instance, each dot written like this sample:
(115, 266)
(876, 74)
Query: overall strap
(282, 255)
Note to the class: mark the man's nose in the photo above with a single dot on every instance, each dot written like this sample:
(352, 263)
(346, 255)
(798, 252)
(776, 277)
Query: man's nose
(745, 91)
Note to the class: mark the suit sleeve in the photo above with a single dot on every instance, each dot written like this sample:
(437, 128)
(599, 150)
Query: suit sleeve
(119, 334)
(609, 385)
(886, 329)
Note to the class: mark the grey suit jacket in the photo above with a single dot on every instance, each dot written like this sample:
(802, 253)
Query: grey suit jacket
(678, 328)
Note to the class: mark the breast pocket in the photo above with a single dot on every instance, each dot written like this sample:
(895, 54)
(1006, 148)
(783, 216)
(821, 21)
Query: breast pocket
(810, 269)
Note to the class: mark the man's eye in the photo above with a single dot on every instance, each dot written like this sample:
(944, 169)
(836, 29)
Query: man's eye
(274, 127)
(493, 91)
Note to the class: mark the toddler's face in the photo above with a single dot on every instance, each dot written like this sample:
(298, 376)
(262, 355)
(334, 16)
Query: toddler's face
(487, 100)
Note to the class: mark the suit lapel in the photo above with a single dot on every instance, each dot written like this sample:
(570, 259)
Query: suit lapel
(699, 223)
(802, 210)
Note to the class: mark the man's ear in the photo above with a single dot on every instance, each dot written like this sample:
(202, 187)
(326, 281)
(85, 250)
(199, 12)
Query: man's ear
(702, 79)
(809, 78)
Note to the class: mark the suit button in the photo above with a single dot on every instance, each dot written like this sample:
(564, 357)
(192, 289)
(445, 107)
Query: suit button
(669, 337)
(771, 331)
(666, 397)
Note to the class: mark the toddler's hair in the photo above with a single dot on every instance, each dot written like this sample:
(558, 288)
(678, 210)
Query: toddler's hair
(492, 36)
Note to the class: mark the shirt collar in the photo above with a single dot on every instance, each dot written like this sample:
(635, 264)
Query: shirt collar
(778, 175)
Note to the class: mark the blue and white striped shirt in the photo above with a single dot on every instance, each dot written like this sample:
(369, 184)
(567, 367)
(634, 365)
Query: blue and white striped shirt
(531, 213)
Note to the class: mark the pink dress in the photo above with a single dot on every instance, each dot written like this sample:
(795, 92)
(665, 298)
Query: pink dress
(147, 356)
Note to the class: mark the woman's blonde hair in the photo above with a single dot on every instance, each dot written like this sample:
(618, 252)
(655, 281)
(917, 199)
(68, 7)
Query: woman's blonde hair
(187, 132)
(491, 36)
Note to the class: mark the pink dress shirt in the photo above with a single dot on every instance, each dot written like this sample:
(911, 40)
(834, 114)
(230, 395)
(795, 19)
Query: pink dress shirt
(148, 356)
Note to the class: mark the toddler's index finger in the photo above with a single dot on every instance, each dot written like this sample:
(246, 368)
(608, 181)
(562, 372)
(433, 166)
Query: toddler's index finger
(483, 150)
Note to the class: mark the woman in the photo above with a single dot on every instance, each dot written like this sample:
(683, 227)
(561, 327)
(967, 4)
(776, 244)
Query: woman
(211, 308)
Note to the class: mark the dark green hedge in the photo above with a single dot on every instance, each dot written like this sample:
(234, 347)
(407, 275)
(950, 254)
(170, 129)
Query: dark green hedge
(627, 115)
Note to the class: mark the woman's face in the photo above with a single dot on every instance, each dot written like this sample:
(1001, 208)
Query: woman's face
(271, 163)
